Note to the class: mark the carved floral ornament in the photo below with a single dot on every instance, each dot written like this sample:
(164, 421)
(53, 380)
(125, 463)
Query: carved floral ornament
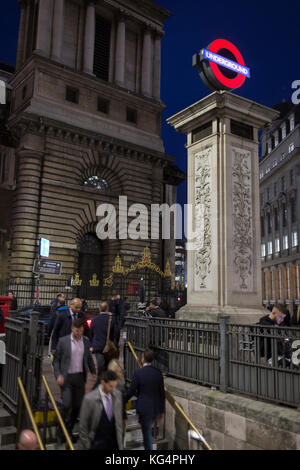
(146, 262)
(242, 216)
(202, 268)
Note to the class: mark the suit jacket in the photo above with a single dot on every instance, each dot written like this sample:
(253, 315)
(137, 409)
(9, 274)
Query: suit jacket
(148, 386)
(62, 326)
(62, 358)
(98, 331)
(90, 414)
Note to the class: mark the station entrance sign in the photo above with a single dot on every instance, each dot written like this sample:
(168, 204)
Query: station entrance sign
(221, 66)
(42, 266)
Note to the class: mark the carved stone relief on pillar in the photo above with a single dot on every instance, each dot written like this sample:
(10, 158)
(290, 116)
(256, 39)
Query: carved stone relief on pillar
(203, 190)
(242, 220)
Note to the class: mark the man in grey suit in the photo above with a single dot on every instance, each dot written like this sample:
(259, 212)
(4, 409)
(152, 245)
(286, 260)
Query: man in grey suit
(101, 416)
(71, 363)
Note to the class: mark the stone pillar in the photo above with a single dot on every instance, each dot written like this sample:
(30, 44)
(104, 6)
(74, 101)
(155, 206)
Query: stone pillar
(43, 39)
(89, 39)
(21, 39)
(147, 64)
(157, 66)
(58, 30)
(224, 261)
(120, 51)
(25, 216)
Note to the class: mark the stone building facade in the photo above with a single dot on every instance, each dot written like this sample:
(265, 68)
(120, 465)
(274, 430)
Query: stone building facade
(280, 203)
(86, 116)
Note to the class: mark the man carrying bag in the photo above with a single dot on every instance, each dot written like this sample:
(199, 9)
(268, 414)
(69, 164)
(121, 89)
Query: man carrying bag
(102, 332)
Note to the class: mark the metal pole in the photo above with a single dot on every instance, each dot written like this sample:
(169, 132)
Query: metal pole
(30, 362)
(224, 353)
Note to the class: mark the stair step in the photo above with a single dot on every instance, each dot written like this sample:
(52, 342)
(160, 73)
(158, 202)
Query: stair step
(161, 444)
(8, 435)
(6, 419)
(9, 447)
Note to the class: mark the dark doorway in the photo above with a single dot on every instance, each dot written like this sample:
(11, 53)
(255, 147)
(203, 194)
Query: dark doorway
(90, 267)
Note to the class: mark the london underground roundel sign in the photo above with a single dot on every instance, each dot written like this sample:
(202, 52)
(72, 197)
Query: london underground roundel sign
(221, 66)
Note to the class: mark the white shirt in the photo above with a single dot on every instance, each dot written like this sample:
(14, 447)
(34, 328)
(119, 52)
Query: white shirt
(104, 400)
(77, 352)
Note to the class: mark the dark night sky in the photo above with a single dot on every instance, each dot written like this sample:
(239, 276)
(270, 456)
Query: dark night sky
(267, 33)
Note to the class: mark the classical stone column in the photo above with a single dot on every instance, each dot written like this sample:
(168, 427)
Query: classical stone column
(147, 64)
(26, 213)
(224, 260)
(58, 29)
(43, 39)
(89, 38)
(21, 39)
(120, 51)
(157, 66)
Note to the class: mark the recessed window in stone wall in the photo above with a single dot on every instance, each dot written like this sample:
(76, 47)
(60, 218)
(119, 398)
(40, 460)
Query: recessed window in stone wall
(98, 183)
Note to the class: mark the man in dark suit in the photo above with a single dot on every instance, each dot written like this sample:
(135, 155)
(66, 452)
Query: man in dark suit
(148, 386)
(71, 363)
(98, 333)
(63, 322)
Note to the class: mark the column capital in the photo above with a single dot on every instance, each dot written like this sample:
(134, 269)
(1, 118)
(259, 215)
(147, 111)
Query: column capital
(122, 14)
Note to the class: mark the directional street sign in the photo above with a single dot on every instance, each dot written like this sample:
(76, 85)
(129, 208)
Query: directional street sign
(42, 266)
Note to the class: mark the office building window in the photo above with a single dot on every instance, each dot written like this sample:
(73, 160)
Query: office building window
(268, 194)
(293, 210)
(103, 106)
(131, 115)
(275, 189)
(261, 199)
(102, 48)
(72, 95)
(276, 219)
(295, 239)
(283, 183)
(277, 245)
(285, 242)
(263, 250)
(292, 177)
(262, 226)
(270, 248)
(292, 123)
(283, 131)
(284, 215)
(269, 223)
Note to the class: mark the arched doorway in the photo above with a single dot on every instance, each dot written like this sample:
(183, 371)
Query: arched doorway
(90, 263)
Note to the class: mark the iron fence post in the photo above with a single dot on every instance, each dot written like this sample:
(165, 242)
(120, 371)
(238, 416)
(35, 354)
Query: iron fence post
(33, 331)
(224, 352)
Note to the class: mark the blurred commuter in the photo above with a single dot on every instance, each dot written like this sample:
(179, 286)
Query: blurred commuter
(71, 363)
(101, 416)
(148, 386)
(27, 440)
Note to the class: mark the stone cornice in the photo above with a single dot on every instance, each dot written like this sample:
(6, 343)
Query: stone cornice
(225, 104)
(27, 123)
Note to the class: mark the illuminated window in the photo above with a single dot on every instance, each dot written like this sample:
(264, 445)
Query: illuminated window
(283, 131)
(295, 239)
(97, 183)
(263, 250)
(277, 245)
(270, 248)
(285, 242)
(291, 147)
(292, 123)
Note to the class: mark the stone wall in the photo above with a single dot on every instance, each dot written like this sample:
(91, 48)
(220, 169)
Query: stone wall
(230, 422)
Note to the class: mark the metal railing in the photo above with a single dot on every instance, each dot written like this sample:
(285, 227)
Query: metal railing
(173, 402)
(254, 360)
(23, 399)
(48, 396)
(24, 342)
